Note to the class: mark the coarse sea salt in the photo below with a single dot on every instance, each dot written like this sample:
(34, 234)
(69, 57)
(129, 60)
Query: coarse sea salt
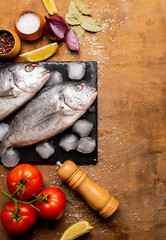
(28, 23)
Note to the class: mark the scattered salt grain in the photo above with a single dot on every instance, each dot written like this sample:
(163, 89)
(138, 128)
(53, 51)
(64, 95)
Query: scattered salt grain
(76, 71)
(4, 128)
(45, 149)
(82, 127)
(69, 142)
(86, 145)
(28, 23)
(146, 229)
(55, 77)
(10, 158)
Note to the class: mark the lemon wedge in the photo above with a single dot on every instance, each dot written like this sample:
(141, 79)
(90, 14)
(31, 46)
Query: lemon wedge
(76, 230)
(50, 6)
(40, 54)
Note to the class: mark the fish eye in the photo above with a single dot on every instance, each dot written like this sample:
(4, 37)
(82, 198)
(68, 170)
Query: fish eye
(78, 88)
(28, 68)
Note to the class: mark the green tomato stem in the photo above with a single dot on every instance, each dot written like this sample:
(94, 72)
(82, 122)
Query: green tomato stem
(18, 201)
(21, 185)
(42, 199)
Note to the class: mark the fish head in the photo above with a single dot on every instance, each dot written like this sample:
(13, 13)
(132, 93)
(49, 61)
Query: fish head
(79, 97)
(29, 77)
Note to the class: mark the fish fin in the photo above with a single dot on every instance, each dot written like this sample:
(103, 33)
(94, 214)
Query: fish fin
(7, 93)
(52, 118)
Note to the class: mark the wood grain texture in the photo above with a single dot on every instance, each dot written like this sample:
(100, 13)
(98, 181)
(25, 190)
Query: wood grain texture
(131, 55)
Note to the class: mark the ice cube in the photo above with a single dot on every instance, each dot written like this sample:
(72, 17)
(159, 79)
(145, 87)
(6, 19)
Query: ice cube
(69, 142)
(10, 158)
(55, 77)
(86, 145)
(76, 70)
(4, 128)
(45, 149)
(82, 127)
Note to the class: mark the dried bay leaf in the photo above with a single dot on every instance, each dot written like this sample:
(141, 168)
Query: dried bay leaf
(82, 7)
(67, 192)
(90, 24)
(72, 20)
(79, 31)
(73, 16)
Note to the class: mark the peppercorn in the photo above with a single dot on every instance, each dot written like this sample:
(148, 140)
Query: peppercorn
(6, 42)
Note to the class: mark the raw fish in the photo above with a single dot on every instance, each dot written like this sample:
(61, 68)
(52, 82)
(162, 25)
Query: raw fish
(18, 84)
(51, 111)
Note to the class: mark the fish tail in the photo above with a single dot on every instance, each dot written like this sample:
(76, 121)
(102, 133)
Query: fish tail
(3, 148)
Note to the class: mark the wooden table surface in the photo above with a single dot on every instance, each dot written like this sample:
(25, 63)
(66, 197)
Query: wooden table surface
(130, 52)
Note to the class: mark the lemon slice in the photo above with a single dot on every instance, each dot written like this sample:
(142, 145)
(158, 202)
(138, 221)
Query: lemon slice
(40, 54)
(50, 6)
(76, 230)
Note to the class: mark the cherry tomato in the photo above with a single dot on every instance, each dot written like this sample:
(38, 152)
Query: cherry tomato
(25, 218)
(54, 206)
(26, 177)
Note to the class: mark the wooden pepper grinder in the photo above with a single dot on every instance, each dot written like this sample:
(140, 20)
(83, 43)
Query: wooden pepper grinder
(99, 199)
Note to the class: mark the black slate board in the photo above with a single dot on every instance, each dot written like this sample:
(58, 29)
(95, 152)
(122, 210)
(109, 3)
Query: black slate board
(29, 155)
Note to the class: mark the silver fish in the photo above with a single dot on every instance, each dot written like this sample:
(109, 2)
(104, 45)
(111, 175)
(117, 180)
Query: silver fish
(18, 84)
(51, 111)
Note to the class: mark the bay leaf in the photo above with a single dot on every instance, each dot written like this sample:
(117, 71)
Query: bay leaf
(79, 31)
(67, 192)
(90, 24)
(82, 7)
(73, 16)
(72, 20)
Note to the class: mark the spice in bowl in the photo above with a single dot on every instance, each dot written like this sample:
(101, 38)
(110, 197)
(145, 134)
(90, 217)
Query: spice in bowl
(10, 44)
(29, 25)
(6, 42)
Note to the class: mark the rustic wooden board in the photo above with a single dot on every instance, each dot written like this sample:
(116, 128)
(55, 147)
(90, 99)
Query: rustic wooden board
(130, 52)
